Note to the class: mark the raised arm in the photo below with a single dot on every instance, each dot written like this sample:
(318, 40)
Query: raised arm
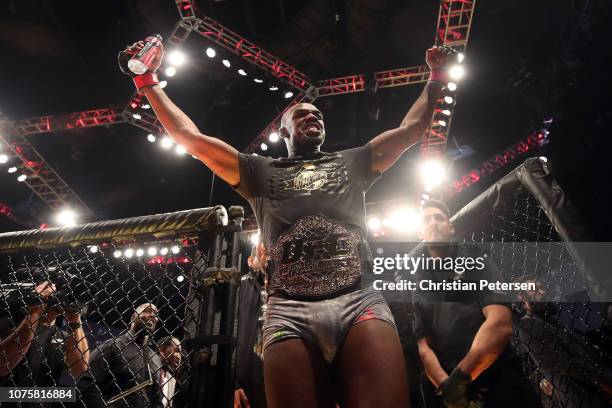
(76, 355)
(390, 145)
(217, 155)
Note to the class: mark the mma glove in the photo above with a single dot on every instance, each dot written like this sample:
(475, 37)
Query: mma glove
(147, 79)
(454, 389)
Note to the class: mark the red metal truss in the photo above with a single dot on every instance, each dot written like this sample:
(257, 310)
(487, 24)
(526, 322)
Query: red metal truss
(186, 9)
(528, 144)
(40, 176)
(273, 127)
(401, 77)
(336, 86)
(90, 118)
(242, 47)
(454, 22)
(147, 121)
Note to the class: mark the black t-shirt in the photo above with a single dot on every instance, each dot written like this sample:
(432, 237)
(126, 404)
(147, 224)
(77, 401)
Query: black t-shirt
(281, 191)
(452, 325)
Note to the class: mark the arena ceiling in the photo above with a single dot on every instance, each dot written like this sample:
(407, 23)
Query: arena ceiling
(527, 61)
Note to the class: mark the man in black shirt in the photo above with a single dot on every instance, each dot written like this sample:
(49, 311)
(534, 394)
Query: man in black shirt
(125, 371)
(310, 208)
(463, 337)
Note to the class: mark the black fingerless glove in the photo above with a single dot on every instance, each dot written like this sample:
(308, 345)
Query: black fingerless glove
(455, 389)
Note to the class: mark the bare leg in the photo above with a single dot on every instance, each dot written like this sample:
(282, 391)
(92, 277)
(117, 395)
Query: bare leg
(297, 376)
(371, 368)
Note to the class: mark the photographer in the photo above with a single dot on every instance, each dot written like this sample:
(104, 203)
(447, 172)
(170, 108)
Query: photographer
(34, 351)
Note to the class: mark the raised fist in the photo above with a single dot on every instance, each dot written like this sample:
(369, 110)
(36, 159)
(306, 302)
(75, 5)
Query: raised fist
(440, 58)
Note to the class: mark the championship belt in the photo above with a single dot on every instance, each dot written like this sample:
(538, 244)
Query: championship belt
(316, 257)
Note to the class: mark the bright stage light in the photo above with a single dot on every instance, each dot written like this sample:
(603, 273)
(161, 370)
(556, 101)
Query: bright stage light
(152, 251)
(66, 218)
(166, 142)
(22, 178)
(452, 86)
(274, 137)
(163, 84)
(227, 63)
(442, 122)
(180, 150)
(259, 81)
(93, 249)
(12, 169)
(456, 72)
(117, 254)
(264, 147)
(146, 106)
(129, 253)
(288, 94)
(448, 99)
(374, 223)
(460, 57)
(255, 238)
(136, 116)
(180, 278)
(274, 88)
(446, 112)
(164, 251)
(242, 72)
(3, 158)
(170, 71)
(432, 173)
(176, 58)
(175, 249)
(139, 252)
(210, 52)
(151, 138)
(404, 219)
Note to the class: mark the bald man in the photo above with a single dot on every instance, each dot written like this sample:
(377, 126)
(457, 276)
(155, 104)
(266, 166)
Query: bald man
(326, 339)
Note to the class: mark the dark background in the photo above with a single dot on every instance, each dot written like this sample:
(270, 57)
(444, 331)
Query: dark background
(526, 62)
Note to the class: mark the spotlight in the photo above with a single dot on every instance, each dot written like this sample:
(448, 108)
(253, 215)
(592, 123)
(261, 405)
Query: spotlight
(163, 84)
(274, 88)
(129, 253)
(146, 106)
(22, 178)
(432, 172)
(176, 58)
(210, 52)
(137, 116)
(255, 238)
(93, 249)
(274, 137)
(242, 72)
(264, 147)
(452, 86)
(446, 112)
(288, 94)
(180, 150)
(66, 218)
(166, 142)
(448, 99)
(175, 249)
(152, 251)
(428, 188)
(227, 63)
(151, 138)
(374, 223)
(456, 72)
(405, 219)
(12, 169)
(170, 71)
(460, 57)
(164, 251)
(180, 278)
(139, 252)
(3, 158)
(442, 122)
(117, 254)
(259, 81)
